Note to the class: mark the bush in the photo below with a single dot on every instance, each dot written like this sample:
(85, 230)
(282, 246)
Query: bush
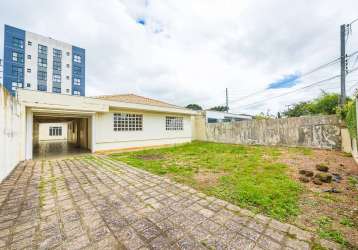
(351, 118)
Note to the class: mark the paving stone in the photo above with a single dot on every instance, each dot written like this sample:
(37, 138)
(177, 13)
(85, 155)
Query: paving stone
(206, 212)
(159, 243)
(241, 242)
(300, 234)
(150, 233)
(253, 224)
(250, 233)
(97, 208)
(297, 244)
(279, 226)
(274, 234)
(268, 243)
(187, 243)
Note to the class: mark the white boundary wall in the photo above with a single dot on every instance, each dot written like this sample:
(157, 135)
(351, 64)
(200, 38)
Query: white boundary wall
(10, 133)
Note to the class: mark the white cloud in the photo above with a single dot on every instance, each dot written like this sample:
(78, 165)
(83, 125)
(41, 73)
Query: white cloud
(190, 51)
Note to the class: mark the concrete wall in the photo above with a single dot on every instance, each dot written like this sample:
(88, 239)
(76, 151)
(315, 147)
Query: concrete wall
(44, 131)
(199, 127)
(154, 132)
(314, 132)
(10, 133)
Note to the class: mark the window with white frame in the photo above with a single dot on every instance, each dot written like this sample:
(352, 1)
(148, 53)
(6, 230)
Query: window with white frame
(173, 123)
(127, 122)
(77, 58)
(76, 81)
(75, 92)
(55, 131)
(56, 78)
(17, 57)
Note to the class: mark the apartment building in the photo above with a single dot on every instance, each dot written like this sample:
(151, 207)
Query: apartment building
(36, 62)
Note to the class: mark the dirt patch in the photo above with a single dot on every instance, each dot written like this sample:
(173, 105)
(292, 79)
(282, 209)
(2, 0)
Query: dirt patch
(316, 203)
(150, 157)
(205, 179)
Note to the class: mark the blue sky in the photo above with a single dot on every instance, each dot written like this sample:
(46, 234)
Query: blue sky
(286, 81)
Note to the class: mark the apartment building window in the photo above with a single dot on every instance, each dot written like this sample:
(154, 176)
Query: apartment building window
(57, 65)
(67, 77)
(29, 57)
(56, 89)
(56, 78)
(77, 58)
(127, 122)
(42, 62)
(68, 53)
(77, 70)
(55, 131)
(15, 85)
(42, 75)
(17, 71)
(173, 123)
(28, 85)
(17, 57)
(75, 92)
(41, 87)
(28, 70)
(29, 43)
(57, 53)
(17, 43)
(42, 49)
(76, 81)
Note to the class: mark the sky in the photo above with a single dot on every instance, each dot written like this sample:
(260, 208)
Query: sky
(189, 51)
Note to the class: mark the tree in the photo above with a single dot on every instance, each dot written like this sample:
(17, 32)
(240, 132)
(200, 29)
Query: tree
(325, 104)
(194, 107)
(219, 108)
(298, 109)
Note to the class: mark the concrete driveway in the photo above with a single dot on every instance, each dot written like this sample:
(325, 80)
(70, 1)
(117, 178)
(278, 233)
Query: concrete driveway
(93, 202)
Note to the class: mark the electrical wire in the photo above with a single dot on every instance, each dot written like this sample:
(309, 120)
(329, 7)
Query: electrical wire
(290, 92)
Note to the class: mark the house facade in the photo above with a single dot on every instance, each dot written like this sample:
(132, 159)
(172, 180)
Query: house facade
(93, 123)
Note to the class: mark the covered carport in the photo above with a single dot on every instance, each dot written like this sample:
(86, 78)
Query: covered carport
(77, 112)
(73, 134)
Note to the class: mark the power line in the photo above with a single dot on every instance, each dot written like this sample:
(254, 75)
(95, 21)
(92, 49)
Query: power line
(304, 74)
(290, 92)
(355, 20)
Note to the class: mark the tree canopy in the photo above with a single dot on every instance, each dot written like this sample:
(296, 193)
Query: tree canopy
(194, 107)
(325, 104)
(219, 108)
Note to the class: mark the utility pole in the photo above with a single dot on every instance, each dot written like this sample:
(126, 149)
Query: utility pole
(227, 100)
(343, 65)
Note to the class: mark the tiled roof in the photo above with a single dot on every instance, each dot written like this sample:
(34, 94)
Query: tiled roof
(132, 98)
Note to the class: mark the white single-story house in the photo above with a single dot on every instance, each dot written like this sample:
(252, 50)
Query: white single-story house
(213, 116)
(94, 123)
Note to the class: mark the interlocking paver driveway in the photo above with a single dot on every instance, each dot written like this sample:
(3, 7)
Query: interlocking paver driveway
(93, 202)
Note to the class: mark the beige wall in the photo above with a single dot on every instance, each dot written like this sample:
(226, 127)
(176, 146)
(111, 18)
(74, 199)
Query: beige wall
(10, 133)
(153, 133)
(44, 134)
(199, 127)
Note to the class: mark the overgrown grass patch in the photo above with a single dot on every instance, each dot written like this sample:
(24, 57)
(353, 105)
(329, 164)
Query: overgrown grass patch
(327, 231)
(247, 176)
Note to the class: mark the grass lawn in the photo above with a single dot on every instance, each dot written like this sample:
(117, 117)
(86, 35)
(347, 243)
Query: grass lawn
(248, 176)
(265, 180)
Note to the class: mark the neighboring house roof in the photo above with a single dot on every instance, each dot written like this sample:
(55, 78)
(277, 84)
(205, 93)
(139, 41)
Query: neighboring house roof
(226, 113)
(132, 98)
